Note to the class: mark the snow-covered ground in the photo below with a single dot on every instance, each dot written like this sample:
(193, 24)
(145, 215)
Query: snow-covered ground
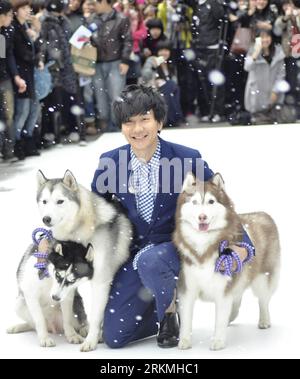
(260, 165)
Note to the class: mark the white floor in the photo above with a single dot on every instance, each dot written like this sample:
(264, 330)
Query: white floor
(261, 168)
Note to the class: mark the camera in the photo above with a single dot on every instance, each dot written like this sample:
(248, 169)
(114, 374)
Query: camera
(181, 12)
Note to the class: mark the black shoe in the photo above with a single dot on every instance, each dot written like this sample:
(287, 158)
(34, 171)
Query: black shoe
(30, 147)
(19, 150)
(168, 335)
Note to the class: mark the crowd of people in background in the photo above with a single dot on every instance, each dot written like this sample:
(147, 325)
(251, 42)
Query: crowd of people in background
(194, 52)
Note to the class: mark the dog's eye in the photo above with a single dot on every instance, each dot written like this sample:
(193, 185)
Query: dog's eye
(194, 202)
(57, 275)
(211, 201)
(60, 201)
(44, 201)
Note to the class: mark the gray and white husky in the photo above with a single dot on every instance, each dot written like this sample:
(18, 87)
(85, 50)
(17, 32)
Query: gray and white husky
(51, 303)
(205, 216)
(76, 214)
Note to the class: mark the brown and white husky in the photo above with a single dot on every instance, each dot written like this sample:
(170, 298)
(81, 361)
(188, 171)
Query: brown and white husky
(205, 216)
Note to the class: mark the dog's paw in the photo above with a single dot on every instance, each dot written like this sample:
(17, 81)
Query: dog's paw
(217, 345)
(19, 328)
(75, 338)
(13, 329)
(185, 343)
(47, 342)
(83, 331)
(264, 325)
(88, 345)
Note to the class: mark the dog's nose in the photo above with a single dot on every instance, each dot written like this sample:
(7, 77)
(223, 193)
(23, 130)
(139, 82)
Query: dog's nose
(55, 298)
(202, 217)
(47, 220)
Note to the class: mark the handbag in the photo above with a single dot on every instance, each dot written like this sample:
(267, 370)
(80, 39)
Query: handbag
(241, 41)
(43, 81)
(84, 60)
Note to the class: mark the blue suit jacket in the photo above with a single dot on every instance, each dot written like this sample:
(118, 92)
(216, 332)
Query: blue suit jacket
(163, 221)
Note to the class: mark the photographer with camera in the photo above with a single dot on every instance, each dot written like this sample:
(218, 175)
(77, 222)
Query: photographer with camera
(176, 17)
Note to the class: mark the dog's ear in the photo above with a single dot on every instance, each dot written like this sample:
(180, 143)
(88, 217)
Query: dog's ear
(41, 179)
(189, 182)
(90, 253)
(70, 181)
(58, 249)
(218, 181)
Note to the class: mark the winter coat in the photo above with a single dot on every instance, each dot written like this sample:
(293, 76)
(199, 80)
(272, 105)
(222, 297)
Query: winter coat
(263, 79)
(8, 68)
(26, 56)
(138, 28)
(113, 38)
(206, 22)
(55, 35)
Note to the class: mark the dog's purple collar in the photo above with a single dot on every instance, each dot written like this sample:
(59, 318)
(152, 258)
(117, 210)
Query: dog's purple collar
(41, 266)
(227, 257)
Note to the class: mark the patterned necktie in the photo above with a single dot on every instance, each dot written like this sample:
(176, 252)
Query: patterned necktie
(145, 198)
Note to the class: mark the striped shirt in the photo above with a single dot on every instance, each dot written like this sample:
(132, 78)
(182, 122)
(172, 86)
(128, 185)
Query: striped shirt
(145, 181)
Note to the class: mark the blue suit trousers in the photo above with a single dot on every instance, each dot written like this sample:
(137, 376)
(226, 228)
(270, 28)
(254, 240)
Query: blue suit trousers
(139, 298)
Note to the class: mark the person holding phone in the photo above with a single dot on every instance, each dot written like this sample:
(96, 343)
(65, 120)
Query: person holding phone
(265, 65)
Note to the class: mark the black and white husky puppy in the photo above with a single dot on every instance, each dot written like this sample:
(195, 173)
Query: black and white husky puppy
(53, 304)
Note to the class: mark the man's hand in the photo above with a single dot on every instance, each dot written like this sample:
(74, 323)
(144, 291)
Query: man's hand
(241, 251)
(123, 68)
(43, 248)
(20, 83)
(41, 65)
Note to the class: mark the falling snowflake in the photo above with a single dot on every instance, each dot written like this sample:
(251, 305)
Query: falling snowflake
(216, 77)
(76, 110)
(282, 86)
(112, 310)
(189, 54)
(138, 318)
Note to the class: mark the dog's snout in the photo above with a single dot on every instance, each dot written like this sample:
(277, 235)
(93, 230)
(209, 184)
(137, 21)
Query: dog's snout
(47, 220)
(202, 217)
(55, 298)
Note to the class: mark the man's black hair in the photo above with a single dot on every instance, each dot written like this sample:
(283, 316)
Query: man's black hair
(5, 6)
(138, 100)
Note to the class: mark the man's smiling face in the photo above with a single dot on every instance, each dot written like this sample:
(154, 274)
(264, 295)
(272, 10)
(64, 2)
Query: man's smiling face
(141, 131)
